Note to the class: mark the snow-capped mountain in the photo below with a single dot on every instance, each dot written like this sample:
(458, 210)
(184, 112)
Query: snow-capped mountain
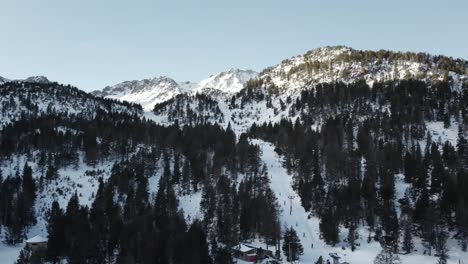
(340, 63)
(228, 82)
(149, 92)
(277, 87)
(146, 92)
(36, 79)
(32, 79)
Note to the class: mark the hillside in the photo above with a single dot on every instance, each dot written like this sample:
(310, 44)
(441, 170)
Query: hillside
(358, 154)
(40, 97)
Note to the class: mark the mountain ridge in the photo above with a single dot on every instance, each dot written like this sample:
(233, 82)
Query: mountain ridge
(149, 92)
(314, 126)
(320, 65)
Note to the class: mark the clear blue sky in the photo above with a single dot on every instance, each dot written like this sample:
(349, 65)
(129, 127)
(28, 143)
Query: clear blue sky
(93, 43)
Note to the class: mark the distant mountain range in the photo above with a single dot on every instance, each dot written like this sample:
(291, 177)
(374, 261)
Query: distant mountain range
(327, 64)
(36, 79)
(149, 92)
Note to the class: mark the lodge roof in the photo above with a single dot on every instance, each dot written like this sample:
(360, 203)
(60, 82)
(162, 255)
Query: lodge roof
(36, 239)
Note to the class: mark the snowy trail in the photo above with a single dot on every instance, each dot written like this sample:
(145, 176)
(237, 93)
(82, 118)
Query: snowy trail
(307, 229)
(280, 182)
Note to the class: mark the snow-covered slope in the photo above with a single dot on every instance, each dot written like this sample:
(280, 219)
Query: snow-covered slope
(340, 63)
(146, 92)
(269, 98)
(38, 98)
(149, 92)
(293, 214)
(228, 82)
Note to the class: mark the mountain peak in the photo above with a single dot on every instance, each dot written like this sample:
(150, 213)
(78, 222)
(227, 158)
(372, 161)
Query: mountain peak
(37, 79)
(32, 79)
(146, 92)
(151, 91)
(345, 64)
(230, 81)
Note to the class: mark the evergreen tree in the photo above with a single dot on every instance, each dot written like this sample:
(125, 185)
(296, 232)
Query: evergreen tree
(319, 260)
(292, 246)
(24, 256)
(329, 226)
(441, 245)
(407, 245)
(56, 244)
(29, 196)
(462, 148)
(386, 256)
(352, 236)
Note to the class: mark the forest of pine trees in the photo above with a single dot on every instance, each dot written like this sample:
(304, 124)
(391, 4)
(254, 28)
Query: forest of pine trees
(347, 151)
(125, 223)
(345, 171)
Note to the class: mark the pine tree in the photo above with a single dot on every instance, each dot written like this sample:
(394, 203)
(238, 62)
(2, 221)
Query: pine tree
(441, 245)
(408, 245)
(386, 256)
(318, 191)
(24, 256)
(196, 247)
(176, 175)
(329, 226)
(462, 148)
(51, 173)
(56, 244)
(29, 196)
(319, 260)
(292, 246)
(352, 236)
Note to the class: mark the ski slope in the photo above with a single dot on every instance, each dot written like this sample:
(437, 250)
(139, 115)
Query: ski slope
(309, 232)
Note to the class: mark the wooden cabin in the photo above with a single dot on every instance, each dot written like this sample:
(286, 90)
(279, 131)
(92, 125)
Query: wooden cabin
(245, 252)
(250, 253)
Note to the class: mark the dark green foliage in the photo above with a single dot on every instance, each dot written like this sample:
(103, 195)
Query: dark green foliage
(292, 247)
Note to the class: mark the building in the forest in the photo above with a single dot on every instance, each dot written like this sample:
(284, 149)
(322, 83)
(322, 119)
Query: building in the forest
(37, 243)
(251, 253)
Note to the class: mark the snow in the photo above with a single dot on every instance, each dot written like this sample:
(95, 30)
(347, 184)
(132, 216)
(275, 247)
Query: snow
(9, 254)
(190, 204)
(440, 133)
(400, 188)
(309, 232)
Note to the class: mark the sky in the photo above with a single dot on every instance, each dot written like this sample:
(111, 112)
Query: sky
(94, 43)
